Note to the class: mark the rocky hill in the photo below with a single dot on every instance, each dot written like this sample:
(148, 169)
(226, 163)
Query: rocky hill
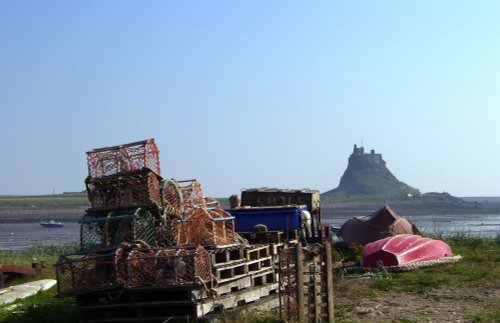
(368, 175)
(367, 184)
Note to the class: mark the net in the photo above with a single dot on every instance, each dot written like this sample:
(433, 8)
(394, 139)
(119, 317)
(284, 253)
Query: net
(204, 227)
(168, 267)
(172, 198)
(111, 229)
(81, 273)
(192, 195)
(132, 267)
(126, 190)
(124, 158)
(288, 284)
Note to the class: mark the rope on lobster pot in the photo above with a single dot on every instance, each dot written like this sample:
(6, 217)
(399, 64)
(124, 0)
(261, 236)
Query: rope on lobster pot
(211, 292)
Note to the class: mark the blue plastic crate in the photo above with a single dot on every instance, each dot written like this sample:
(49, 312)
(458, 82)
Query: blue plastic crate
(275, 219)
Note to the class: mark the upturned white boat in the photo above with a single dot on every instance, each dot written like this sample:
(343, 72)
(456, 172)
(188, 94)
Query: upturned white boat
(51, 224)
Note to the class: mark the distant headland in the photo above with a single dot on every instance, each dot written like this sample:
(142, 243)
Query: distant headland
(367, 183)
(367, 175)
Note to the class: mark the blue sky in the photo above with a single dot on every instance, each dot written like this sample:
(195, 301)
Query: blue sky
(256, 93)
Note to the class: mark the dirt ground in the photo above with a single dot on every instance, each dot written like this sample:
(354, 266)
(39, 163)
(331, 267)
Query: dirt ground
(437, 305)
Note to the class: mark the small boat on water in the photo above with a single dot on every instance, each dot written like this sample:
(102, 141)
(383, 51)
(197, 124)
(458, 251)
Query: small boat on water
(404, 249)
(51, 224)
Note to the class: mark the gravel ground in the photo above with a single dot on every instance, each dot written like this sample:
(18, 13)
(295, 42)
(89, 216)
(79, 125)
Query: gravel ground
(438, 305)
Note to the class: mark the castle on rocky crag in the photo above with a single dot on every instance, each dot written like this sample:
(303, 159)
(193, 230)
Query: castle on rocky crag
(368, 175)
(358, 156)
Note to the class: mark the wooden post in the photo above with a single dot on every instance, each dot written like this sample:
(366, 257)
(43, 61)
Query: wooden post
(1, 276)
(315, 290)
(329, 279)
(299, 276)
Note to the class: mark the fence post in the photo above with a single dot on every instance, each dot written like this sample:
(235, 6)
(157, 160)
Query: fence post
(329, 280)
(299, 275)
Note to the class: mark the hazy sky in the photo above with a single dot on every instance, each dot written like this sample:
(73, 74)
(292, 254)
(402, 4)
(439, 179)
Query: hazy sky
(242, 94)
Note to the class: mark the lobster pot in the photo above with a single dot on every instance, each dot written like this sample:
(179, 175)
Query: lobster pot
(86, 272)
(124, 158)
(129, 190)
(163, 231)
(223, 224)
(204, 227)
(116, 227)
(192, 195)
(167, 267)
(172, 198)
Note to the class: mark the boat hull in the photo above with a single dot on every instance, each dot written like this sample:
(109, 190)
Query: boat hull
(51, 225)
(381, 224)
(9, 295)
(404, 249)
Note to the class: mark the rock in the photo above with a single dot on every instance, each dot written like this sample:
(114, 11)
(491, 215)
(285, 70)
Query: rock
(362, 310)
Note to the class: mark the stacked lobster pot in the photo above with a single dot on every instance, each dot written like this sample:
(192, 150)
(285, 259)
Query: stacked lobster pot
(153, 248)
(142, 228)
(123, 188)
(197, 220)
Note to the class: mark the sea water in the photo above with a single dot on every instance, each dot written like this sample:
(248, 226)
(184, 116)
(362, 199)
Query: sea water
(20, 236)
(482, 225)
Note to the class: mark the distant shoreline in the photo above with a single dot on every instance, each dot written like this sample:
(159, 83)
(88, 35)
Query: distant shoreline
(74, 214)
(23, 215)
(404, 208)
(72, 207)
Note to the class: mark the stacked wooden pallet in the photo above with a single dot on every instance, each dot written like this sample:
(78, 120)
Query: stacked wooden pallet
(242, 275)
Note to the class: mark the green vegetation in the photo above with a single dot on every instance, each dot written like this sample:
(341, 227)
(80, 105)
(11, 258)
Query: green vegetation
(43, 201)
(471, 285)
(472, 280)
(49, 254)
(43, 307)
(374, 182)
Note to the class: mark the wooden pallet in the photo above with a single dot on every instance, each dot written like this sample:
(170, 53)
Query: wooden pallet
(230, 271)
(242, 275)
(258, 252)
(157, 305)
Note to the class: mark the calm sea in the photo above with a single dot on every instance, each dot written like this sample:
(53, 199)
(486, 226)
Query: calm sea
(483, 225)
(19, 236)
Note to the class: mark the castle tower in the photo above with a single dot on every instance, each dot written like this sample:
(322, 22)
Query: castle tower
(358, 156)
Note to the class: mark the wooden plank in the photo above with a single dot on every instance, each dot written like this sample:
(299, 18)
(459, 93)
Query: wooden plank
(16, 269)
(235, 299)
(230, 263)
(132, 320)
(135, 304)
(224, 288)
(257, 252)
(329, 280)
(299, 270)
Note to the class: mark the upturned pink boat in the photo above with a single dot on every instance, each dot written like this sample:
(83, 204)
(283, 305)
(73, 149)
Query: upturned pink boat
(404, 249)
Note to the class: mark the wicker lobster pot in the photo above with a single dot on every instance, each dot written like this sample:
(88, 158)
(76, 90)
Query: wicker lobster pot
(108, 230)
(204, 227)
(122, 159)
(167, 267)
(86, 272)
(172, 198)
(129, 190)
